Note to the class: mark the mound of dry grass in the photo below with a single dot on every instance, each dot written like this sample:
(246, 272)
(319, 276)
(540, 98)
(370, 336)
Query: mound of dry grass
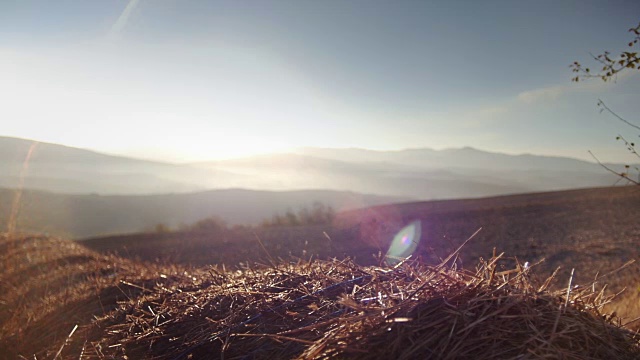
(340, 310)
(319, 309)
(50, 285)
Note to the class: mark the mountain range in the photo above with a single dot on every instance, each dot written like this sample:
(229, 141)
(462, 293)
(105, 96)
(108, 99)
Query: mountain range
(80, 193)
(421, 174)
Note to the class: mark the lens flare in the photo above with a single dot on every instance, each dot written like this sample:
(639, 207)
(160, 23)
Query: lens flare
(15, 206)
(404, 243)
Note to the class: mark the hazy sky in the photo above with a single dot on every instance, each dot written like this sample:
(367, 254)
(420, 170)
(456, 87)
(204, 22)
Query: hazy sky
(195, 80)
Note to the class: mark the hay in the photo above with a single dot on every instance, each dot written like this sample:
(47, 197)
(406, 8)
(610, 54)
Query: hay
(337, 309)
(319, 310)
(49, 285)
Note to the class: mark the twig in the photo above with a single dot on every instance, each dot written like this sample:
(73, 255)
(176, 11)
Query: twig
(273, 263)
(566, 302)
(622, 175)
(459, 249)
(630, 146)
(66, 341)
(605, 107)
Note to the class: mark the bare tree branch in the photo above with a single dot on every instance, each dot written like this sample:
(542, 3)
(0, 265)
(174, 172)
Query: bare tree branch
(630, 146)
(622, 175)
(605, 107)
(611, 66)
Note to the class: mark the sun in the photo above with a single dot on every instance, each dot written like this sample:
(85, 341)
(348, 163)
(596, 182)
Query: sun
(242, 147)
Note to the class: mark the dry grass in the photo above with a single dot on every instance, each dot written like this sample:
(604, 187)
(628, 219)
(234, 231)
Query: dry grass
(593, 231)
(319, 309)
(49, 285)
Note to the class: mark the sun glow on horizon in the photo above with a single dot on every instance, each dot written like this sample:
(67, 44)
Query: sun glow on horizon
(201, 151)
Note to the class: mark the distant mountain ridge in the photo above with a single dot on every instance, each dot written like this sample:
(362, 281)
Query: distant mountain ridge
(421, 174)
(64, 169)
(424, 174)
(465, 157)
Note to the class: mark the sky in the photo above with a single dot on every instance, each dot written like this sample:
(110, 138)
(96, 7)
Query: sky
(184, 81)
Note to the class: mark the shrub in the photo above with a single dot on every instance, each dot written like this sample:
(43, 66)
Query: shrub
(319, 214)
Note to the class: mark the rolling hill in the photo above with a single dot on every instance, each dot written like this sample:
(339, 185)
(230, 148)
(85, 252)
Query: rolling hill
(78, 216)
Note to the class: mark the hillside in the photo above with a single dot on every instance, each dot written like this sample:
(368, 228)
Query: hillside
(79, 216)
(594, 231)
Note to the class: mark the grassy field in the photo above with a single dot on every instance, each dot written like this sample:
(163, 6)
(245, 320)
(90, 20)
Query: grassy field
(159, 296)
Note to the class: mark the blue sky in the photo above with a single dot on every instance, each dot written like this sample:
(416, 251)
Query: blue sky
(198, 80)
